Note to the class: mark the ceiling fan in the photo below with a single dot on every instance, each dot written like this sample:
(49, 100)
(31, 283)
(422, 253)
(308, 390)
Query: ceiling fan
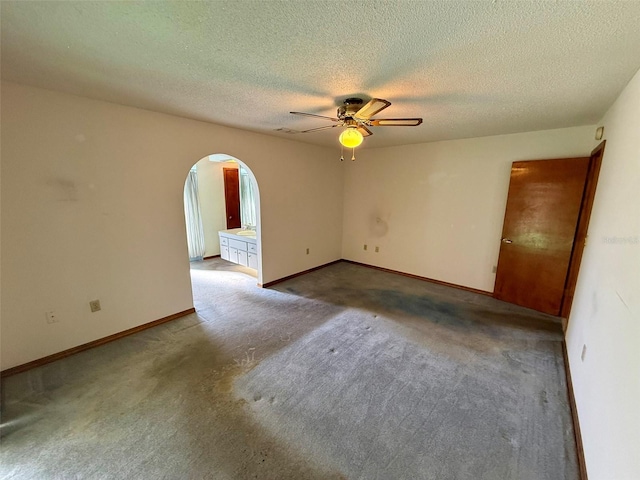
(357, 120)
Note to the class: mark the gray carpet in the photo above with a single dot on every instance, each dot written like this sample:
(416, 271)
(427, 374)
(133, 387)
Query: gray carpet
(345, 372)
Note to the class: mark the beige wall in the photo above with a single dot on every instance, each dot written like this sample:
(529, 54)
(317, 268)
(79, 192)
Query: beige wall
(212, 203)
(92, 208)
(436, 209)
(606, 309)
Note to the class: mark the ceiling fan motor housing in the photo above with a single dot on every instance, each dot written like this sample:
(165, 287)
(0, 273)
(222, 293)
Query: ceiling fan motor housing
(350, 108)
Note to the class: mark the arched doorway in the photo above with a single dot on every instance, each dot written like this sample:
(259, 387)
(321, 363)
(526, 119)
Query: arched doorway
(208, 235)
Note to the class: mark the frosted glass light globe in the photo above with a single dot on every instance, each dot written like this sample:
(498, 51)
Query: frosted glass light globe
(351, 138)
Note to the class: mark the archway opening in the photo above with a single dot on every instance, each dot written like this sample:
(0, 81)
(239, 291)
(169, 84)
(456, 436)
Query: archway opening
(219, 244)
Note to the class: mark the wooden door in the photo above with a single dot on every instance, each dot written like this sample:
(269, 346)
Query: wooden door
(539, 228)
(232, 197)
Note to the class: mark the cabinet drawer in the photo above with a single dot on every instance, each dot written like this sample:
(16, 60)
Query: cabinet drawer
(224, 241)
(238, 244)
(252, 248)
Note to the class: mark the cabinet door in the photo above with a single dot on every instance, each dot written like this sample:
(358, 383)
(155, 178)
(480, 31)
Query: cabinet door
(242, 257)
(224, 252)
(233, 255)
(252, 261)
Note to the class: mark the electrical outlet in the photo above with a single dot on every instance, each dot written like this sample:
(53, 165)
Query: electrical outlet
(51, 317)
(95, 306)
(307, 251)
(584, 352)
(365, 246)
(377, 249)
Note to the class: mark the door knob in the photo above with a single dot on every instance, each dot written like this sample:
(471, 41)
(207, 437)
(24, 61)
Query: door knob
(507, 240)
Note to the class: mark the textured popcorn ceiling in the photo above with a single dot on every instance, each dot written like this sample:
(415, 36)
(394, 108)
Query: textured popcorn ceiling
(468, 68)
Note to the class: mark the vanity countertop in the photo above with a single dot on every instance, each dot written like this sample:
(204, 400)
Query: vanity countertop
(240, 234)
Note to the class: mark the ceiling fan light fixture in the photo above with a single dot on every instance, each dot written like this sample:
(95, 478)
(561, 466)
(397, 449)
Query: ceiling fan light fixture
(351, 137)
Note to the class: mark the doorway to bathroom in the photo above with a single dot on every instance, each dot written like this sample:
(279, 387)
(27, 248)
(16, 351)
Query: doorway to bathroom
(219, 187)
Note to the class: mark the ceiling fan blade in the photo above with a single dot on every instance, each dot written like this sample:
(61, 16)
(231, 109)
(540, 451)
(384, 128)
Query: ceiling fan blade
(374, 106)
(364, 131)
(317, 116)
(396, 122)
(319, 128)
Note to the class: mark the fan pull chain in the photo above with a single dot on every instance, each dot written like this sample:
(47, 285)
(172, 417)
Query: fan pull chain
(341, 153)
(353, 154)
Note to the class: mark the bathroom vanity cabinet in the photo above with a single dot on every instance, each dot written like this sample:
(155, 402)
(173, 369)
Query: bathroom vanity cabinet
(239, 246)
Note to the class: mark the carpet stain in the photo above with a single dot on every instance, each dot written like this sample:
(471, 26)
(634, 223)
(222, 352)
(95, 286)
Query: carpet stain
(214, 377)
(224, 383)
(423, 306)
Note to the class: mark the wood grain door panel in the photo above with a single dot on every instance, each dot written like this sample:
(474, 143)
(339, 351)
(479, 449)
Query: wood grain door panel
(232, 197)
(539, 228)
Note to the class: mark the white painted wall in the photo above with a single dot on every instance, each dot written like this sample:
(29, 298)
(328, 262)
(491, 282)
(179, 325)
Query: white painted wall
(92, 208)
(212, 204)
(436, 209)
(606, 310)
